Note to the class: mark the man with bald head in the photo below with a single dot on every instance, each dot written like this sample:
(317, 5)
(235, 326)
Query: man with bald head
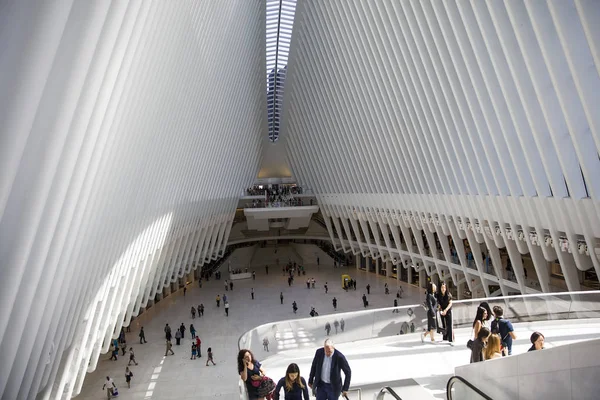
(325, 373)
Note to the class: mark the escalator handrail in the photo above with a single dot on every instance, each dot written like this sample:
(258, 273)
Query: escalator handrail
(388, 390)
(467, 383)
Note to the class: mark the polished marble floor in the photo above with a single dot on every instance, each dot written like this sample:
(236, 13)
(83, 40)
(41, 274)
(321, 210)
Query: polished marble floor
(394, 361)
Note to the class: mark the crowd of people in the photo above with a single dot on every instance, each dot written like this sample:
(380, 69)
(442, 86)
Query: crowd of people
(121, 343)
(492, 337)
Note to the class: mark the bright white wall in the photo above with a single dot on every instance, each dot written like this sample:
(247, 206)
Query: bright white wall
(127, 131)
(564, 372)
(465, 119)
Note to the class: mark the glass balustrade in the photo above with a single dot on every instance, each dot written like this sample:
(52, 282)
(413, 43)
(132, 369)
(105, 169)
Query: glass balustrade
(310, 332)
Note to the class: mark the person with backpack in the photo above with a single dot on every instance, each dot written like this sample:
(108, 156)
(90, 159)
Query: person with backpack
(128, 376)
(503, 328)
(295, 307)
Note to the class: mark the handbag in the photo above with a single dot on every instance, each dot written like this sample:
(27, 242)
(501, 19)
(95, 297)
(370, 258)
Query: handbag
(470, 341)
(440, 329)
(266, 386)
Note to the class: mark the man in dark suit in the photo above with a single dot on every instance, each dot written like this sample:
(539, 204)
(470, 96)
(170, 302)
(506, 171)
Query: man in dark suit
(325, 373)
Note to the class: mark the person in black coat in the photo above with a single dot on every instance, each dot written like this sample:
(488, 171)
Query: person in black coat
(335, 361)
(432, 305)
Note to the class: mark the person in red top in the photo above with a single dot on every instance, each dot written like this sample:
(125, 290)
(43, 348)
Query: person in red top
(198, 345)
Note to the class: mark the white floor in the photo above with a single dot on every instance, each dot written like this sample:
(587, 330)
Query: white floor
(379, 360)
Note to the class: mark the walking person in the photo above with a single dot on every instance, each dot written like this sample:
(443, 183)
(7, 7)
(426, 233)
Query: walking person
(334, 301)
(169, 348)
(192, 331)
(267, 269)
(328, 328)
(444, 298)
(210, 357)
(218, 300)
(336, 325)
(194, 351)
(266, 344)
(167, 332)
(231, 285)
(226, 285)
(281, 297)
(110, 387)
(184, 290)
(142, 335)
(342, 324)
(182, 329)
(387, 289)
(132, 357)
(326, 288)
(199, 346)
(395, 310)
(193, 312)
(200, 310)
(128, 376)
(114, 353)
(295, 387)
(294, 307)
(252, 293)
(123, 344)
(227, 309)
(431, 303)
(325, 373)
(364, 300)
(178, 337)
(253, 275)
(368, 288)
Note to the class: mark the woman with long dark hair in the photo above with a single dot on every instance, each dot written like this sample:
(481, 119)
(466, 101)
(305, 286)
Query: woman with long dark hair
(432, 305)
(294, 385)
(251, 372)
(479, 321)
(444, 298)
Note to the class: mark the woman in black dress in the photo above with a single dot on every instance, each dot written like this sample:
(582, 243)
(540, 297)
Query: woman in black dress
(444, 298)
(253, 375)
(432, 305)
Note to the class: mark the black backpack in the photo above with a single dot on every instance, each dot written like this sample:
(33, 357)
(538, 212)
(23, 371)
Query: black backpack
(495, 326)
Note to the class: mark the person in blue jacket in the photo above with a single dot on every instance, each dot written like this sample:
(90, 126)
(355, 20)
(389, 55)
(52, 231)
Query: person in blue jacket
(325, 373)
(294, 385)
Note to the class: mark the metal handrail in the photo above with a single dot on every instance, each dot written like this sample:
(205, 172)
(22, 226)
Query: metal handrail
(356, 390)
(384, 390)
(466, 383)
